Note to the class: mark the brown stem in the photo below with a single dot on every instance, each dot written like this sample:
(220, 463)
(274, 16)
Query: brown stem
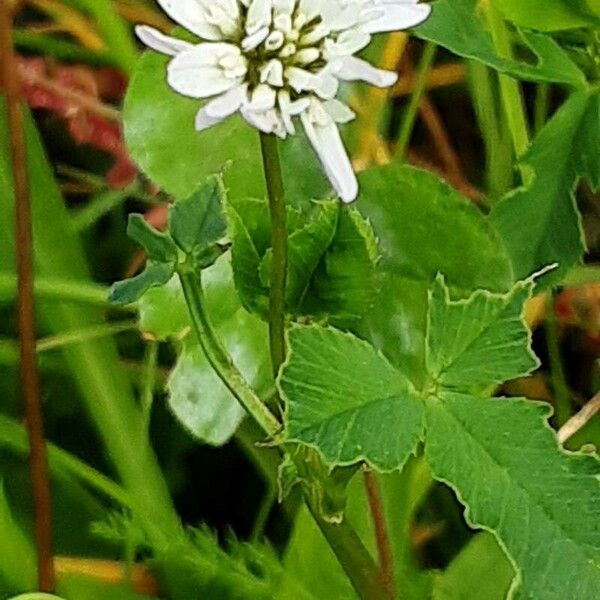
(28, 365)
(384, 548)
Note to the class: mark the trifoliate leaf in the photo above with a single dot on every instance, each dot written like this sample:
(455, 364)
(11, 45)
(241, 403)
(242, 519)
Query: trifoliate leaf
(458, 26)
(478, 341)
(540, 224)
(503, 461)
(159, 246)
(131, 290)
(416, 243)
(198, 222)
(347, 401)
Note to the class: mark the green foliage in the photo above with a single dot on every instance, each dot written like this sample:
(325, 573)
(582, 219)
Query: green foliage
(481, 571)
(347, 401)
(458, 25)
(478, 341)
(130, 290)
(561, 155)
(197, 222)
(505, 491)
(331, 260)
(551, 15)
(506, 468)
(424, 227)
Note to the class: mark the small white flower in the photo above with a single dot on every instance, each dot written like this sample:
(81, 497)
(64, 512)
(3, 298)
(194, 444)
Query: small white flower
(273, 60)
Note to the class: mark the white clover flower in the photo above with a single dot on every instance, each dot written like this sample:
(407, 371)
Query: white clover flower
(273, 60)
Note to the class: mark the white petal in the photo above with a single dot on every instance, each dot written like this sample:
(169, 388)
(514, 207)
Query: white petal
(399, 14)
(204, 121)
(191, 15)
(328, 145)
(198, 72)
(160, 42)
(259, 15)
(338, 111)
(350, 68)
(226, 104)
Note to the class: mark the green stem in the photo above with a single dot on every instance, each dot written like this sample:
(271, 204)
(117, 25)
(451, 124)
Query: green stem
(345, 543)
(54, 288)
(149, 381)
(542, 106)
(410, 116)
(99, 206)
(496, 137)
(510, 90)
(562, 394)
(274, 181)
(68, 338)
(354, 558)
(218, 357)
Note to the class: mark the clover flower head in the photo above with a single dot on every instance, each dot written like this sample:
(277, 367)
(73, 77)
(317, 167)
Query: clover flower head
(275, 60)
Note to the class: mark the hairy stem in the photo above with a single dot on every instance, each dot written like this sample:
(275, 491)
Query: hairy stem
(218, 357)
(30, 380)
(384, 547)
(274, 181)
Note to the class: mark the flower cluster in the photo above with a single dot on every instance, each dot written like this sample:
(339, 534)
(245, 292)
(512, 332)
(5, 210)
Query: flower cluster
(273, 60)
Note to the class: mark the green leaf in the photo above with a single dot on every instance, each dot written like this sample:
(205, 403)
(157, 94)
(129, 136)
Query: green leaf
(549, 15)
(503, 461)
(250, 231)
(131, 290)
(344, 285)
(161, 137)
(331, 259)
(424, 227)
(198, 222)
(564, 151)
(481, 571)
(457, 25)
(306, 247)
(347, 401)
(480, 340)
(159, 246)
(200, 400)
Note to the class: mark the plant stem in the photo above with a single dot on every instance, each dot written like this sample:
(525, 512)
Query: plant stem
(218, 356)
(410, 116)
(30, 379)
(353, 557)
(345, 543)
(384, 548)
(149, 381)
(562, 395)
(542, 106)
(510, 91)
(53, 288)
(274, 181)
(68, 338)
